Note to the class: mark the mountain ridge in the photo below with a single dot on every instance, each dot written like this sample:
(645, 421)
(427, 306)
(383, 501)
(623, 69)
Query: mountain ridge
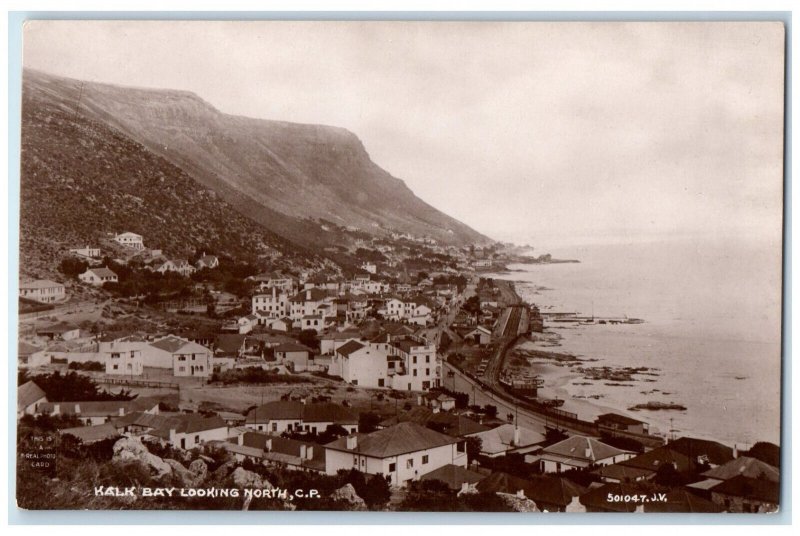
(281, 175)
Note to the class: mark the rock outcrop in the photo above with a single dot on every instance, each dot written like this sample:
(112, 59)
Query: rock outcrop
(347, 494)
(132, 449)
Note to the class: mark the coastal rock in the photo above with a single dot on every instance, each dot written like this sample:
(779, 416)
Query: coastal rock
(223, 470)
(347, 494)
(243, 478)
(657, 406)
(199, 469)
(181, 472)
(132, 449)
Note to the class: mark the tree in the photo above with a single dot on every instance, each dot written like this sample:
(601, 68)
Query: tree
(474, 447)
(368, 422)
(72, 267)
(308, 337)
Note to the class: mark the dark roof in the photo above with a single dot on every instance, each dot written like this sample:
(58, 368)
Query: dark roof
(291, 347)
(453, 476)
(621, 472)
(102, 272)
(190, 423)
(308, 413)
(744, 466)
(315, 294)
(28, 393)
(553, 490)
(652, 460)
(717, 453)
(597, 498)
(105, 408)
(25, 349)
(90, 434)
(617, 418)
(285, 450)
(398, 439)
(750, 488)
(349, 347)
(682, 501)
(170, 344)
(574, 447)
(229, 342)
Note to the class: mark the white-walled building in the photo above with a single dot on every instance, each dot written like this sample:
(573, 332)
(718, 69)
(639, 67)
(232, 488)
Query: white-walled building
(130, 240)
(577, 452)
(123, 357)
(98, 276)
(290, 416)
(42, 291)
(402, 452)
(272, 305)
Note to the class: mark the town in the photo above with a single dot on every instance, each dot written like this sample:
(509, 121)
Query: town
(386, 384)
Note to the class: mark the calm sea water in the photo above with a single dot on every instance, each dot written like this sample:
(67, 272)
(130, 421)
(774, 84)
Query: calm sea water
(712, 314)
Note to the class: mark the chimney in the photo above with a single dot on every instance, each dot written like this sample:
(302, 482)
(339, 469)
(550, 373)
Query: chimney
(268, 445)
(575, 505)
(516, 436)
(735, 451)
(78, 409)
(121, 411)
(57, 409)
(521, 494)
(240, 439)
(465, 488)
(308, 295)
(309, 452)
(172, 436)
(587, 453)
(352, 442)
(419, 400)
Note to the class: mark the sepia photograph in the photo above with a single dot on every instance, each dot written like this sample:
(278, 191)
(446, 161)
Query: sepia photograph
(401, 266)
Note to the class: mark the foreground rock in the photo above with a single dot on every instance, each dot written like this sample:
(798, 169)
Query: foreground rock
(132, 449)
(347, 494)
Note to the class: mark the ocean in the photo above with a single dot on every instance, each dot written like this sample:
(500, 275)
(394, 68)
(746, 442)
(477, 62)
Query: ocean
(712, 312)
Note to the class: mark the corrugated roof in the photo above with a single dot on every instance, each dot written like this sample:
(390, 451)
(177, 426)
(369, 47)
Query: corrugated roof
(398, 439)
(744, 466)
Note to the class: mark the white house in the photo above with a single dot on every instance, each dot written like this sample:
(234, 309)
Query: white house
(29, 397)
(577, 452)
(370, 267)
(290, 416)
(402, 452)
(189, 430)
(92, 413)
(42, 290)
(480, 335)
(88, 253)
(272, 305)
(130, 240)
(184, 357)
(98, 276)
(296, 356)
(123, 357)
(306, 303)
(181, 267)
(315, 322)
(207, 261)
(508, 439)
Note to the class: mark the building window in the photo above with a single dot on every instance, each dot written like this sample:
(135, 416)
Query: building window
(116, 367)
(427, 359)
(392, 467)
(380, 382)
(274, 427)
(415, 372)
(424, 459)
(461, 446)
(415, 360)
(410, 463)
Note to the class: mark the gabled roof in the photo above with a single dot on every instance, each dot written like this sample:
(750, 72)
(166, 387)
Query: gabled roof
(553, 490)
(453, 476)
(717, 453)
(105, 408)
(329, 412)
(349, 347)
(744, 466)
(39, 283)
(682, 501)
(90, 434)
(316, 294)
(501, 439)
(399, 439)
(28, 393)
(576, 447)
(658, 457)
(273, 411)
(292, 347)
(102, 272)
(170, 344)
(229, 342)
(617, 419)
(750, 488)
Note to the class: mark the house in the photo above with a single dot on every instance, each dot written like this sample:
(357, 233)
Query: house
(646, 466)
(187, 431)
(296, 356)
(330, 342)
(550, 493)
(123, 357)
(182, 267)
(230, 345)
(42, 291)
(577, 452)
(29, 397)
(98, 276)
(438, 401)
(87, 253)
(507, 439)
(402, 452)
(612, 423)
(243, 325)
(306, 303)
(92, 413)
(276, 450)
(313, 322)
(743, 494)
(370, 267)
(479, 335)
(92, 434)
(184, 357)
(280, 324)
(290, 416)
(207, 261)
(456, 477)
(741, 466)
(130, 240)
(706, 451)
(271, 306)
(62, 331)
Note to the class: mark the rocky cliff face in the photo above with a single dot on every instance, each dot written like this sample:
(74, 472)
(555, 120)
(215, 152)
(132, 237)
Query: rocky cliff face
(281, 175)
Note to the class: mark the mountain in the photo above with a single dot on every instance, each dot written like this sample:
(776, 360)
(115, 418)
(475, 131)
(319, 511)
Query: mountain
(82, 181)
(287, 177)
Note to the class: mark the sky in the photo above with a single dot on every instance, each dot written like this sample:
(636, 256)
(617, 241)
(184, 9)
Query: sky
(535, 133)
